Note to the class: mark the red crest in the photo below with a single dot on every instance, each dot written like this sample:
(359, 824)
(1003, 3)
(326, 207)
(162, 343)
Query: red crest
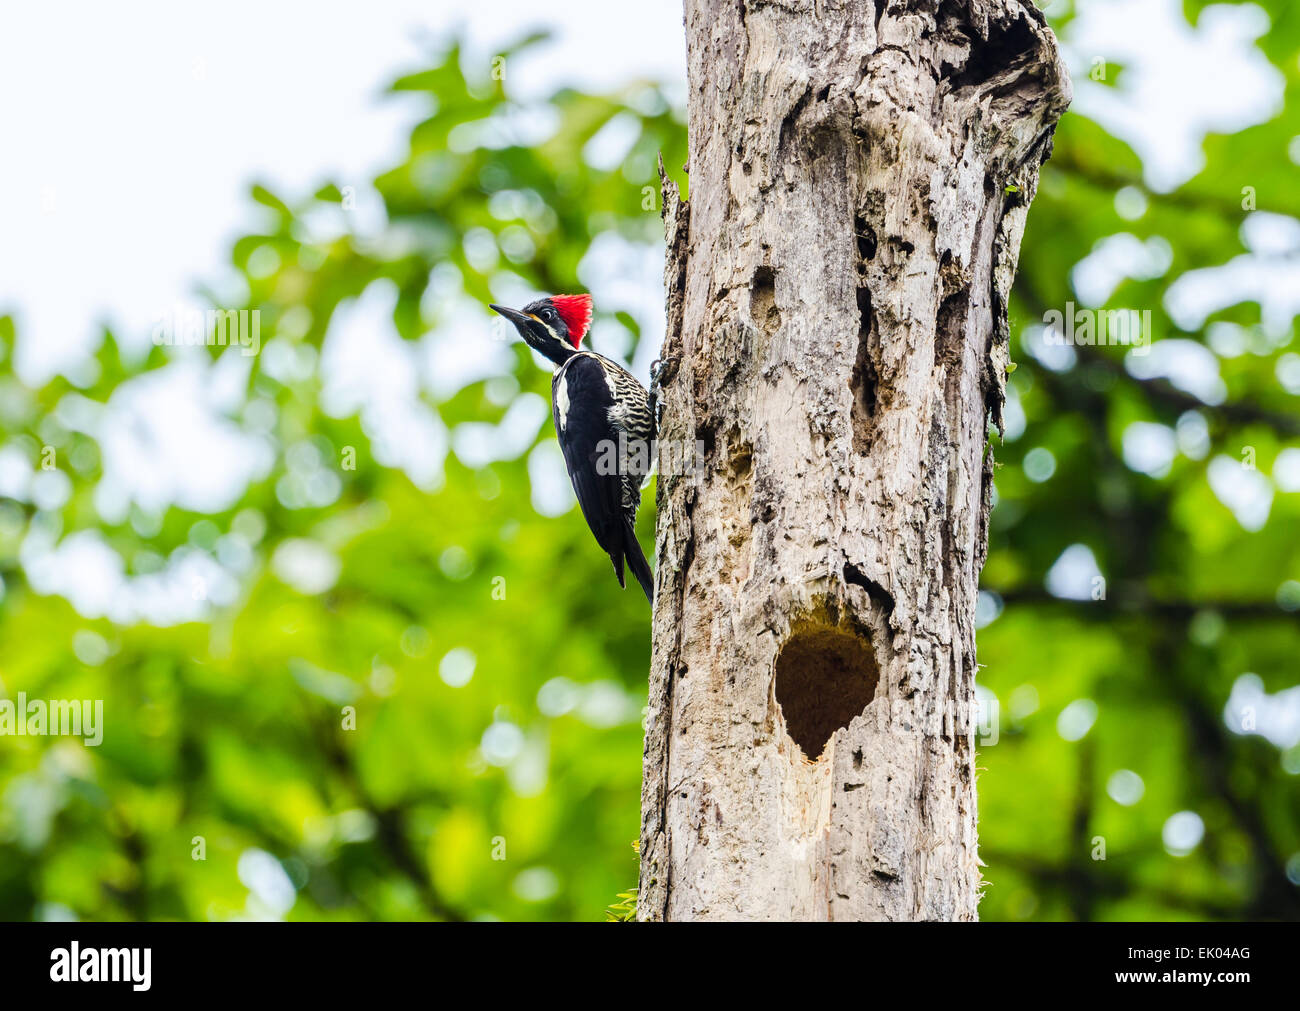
(575, 310)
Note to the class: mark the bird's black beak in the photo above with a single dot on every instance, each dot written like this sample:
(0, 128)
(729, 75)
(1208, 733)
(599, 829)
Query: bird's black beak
(517, 318)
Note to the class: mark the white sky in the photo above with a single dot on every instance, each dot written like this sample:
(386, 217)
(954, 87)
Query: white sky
(132, 130)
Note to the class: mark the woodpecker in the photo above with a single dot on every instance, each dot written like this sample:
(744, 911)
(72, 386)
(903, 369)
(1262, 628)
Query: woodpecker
(605, 421)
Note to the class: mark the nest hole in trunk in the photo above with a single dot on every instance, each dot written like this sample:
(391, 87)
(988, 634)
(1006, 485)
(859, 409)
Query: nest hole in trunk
(825, 677)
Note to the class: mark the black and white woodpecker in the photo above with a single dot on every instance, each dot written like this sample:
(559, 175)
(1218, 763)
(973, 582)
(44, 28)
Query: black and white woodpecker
(605, 421)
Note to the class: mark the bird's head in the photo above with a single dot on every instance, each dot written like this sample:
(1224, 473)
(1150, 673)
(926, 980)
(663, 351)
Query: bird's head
(552, 326)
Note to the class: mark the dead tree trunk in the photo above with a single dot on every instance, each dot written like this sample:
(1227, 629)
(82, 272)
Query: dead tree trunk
(837, 345)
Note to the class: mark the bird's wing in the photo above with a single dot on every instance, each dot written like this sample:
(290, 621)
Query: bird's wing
(581, 399)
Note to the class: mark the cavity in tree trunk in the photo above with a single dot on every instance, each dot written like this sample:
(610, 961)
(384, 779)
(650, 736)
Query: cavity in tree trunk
(838, 345)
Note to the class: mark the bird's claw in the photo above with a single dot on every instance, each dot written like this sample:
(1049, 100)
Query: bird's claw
(662, 371)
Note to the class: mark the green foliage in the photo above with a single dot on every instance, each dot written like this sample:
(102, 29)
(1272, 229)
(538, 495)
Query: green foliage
(623, 910)
(1193, 600)
(450, 728)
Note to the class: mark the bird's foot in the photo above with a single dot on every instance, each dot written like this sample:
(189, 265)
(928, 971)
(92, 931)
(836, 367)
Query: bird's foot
(662, 371)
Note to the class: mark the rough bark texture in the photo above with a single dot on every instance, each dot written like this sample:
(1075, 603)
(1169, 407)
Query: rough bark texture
(860, 174)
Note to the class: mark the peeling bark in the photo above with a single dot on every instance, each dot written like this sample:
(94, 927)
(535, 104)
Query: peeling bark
(837, 337)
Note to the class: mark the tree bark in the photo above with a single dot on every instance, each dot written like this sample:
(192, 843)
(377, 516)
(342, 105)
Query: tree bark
(837, 347)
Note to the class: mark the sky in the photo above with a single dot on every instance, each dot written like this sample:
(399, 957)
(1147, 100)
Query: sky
(142, 124)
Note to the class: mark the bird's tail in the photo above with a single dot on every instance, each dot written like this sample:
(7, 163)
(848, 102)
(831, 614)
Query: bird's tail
(636, 561)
